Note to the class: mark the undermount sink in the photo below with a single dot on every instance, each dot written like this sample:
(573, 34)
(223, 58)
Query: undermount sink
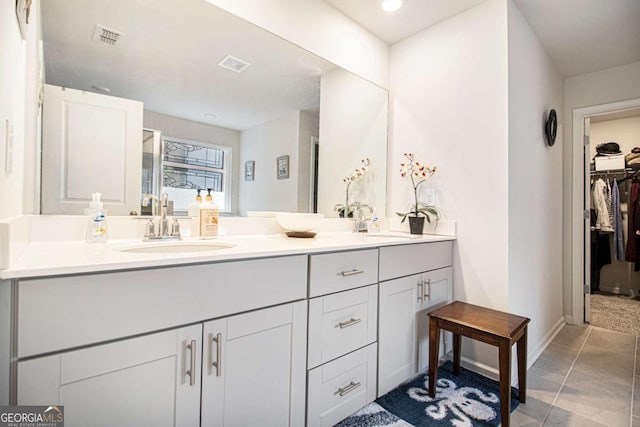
(175, 247)
(390, 235)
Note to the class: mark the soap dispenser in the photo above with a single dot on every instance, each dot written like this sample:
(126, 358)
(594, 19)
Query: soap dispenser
(208, 217)
(194, 207)
(97, 221)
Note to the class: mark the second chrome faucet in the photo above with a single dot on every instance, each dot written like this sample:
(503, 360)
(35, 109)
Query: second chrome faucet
(163, 231)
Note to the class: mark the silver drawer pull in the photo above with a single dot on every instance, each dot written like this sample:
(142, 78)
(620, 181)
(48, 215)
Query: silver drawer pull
(351, 272)
(348, 388)
(348, 323)
(427, 290)
(218, 363)
(192, 365)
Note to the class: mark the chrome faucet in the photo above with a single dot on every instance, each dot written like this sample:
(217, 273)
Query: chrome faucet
(360, 224)
(163, 232)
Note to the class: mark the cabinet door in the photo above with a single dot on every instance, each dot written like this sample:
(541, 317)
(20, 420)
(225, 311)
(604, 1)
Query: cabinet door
(437, 291)
(139, 381)
(254, 368)
(91, 143)
(397, 337)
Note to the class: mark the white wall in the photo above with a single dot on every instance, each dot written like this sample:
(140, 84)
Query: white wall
(535, 183)
(187, 129)
(12, 108)
(346, 138)
(626, 132)
(263, 144)
(34, 76)
(309, 127)
(449, 106)
(318, 27)
(600, 87)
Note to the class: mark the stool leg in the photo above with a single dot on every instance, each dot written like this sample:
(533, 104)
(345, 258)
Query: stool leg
(457, 339)
(434, 343)
(505, 381)
(522, 367)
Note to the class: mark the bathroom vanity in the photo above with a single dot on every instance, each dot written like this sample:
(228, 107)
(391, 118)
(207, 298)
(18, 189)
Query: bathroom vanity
(272, 331)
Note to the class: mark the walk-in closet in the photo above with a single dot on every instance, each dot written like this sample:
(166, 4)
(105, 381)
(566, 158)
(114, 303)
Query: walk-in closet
(614, 241)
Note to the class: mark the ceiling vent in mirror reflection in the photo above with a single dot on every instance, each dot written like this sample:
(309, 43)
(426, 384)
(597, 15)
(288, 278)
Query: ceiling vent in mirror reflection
(234, 64)
(106, 35)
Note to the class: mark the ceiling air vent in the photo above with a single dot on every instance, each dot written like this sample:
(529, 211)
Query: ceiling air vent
(106, 35)
(234, 64)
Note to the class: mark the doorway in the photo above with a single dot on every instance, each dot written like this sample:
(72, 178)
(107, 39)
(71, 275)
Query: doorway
(618, 279)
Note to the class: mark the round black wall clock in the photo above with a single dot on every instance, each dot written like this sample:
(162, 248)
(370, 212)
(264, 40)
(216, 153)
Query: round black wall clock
(551, 127)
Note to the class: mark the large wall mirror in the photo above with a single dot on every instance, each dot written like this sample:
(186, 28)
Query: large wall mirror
(224, 104)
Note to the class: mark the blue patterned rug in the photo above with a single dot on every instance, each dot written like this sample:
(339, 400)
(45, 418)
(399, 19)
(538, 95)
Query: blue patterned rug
(466, 400)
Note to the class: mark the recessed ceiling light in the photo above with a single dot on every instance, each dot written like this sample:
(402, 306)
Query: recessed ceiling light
(210, 116)
(391, 5)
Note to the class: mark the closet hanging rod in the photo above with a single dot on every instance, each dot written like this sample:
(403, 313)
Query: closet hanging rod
(614, 172)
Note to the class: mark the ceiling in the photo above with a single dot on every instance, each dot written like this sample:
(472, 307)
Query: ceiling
(580, 36)
(168, 56)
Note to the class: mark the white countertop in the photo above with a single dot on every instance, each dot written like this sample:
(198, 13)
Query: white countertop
(49, 258)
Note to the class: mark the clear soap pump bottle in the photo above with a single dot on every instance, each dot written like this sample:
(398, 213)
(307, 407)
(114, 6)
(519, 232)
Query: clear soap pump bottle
(97, 221)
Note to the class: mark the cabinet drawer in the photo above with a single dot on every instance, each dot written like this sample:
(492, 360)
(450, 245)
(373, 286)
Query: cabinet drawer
(341, 271)
(404, 260)
(341, 323)
(339, 388)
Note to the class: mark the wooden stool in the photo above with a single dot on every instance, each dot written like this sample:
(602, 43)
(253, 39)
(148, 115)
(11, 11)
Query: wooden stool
(489, 326)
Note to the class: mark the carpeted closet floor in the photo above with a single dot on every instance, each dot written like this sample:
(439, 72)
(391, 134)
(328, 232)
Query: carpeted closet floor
(616, 312)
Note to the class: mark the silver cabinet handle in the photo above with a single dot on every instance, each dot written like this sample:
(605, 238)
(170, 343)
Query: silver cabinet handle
(351, 272)
(348, 323)
(427, 290)
(348, 388)
(218, 363)
(192, 366)
(420, 291)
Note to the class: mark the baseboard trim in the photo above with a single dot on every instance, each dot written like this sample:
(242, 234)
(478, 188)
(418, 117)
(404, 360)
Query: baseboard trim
(532, 356)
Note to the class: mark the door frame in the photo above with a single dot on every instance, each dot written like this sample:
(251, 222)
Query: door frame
(578, 196)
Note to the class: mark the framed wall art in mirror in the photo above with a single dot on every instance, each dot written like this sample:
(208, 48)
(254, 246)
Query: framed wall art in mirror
(249, 167)
(282, 164)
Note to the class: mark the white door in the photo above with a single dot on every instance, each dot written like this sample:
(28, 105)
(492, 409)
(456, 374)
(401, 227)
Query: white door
(91, 143)
(254, 368)
(437, 291)
(138, 381)
(397, 345)
(587, 221)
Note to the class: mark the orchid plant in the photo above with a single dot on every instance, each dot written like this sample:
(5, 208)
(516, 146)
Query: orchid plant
(419, 174)
(358, 173)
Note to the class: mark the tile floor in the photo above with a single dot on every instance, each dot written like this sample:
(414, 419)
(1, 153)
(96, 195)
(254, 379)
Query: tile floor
(588, 376)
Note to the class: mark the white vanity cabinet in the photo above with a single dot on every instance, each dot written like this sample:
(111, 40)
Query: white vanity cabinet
(243, 370)
(150, 380)
(343, 315)
(89, 342)
(404, 303)
(253, 370)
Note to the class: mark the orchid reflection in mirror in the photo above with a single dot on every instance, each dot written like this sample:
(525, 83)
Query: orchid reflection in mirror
(348, 209)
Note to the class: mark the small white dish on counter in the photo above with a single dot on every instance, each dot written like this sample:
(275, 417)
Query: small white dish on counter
(299, 222)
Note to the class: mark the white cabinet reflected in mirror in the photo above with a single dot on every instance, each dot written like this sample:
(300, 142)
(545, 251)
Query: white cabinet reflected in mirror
(270, 99)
